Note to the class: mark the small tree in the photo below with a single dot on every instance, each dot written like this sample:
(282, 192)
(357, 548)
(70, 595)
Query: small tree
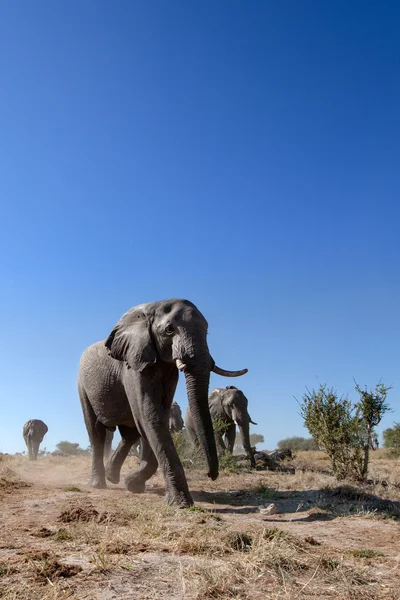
(391, 439)
(334, 425)
(371, 408)
(344, 431)
(297, 443)
(256, 438)
(70, 448)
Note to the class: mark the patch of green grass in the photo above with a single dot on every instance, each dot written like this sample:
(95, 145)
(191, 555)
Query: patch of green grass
(329, 564)
(228, 463)
(196, 509)
(4, 569)
(72, 488)
(366, 553)
(274, 532)
(63, 535)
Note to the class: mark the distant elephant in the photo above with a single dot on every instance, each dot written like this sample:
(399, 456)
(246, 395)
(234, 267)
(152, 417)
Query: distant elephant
(229, 406)
(129, 381)
(175, 418)
(34, 431)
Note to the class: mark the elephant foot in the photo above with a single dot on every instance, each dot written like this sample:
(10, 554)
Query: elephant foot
(179, 499)
(134, 484)
(98, 482)
(112, 477)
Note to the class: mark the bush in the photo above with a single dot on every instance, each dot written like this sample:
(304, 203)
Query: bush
(255, 438)
(69, 448)
(344, 431)
(334, 426)
(391, 439)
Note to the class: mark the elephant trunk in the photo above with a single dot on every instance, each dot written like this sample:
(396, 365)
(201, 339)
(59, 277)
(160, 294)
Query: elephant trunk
(197, 390)
(35, 449)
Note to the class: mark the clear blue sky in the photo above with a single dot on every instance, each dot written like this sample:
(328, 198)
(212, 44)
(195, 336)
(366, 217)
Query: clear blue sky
(243, 155)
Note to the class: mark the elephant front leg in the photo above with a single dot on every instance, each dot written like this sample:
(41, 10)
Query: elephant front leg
(230, 437)
(160, 448)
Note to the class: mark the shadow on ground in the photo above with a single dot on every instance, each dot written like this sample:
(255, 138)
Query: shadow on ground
(324, 504)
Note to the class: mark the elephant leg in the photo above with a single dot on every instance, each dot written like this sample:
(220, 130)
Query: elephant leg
(97, 437)
(30, 453)
(153, 418)
(135, 482)
(220, 443)
(129, 435)
(230, 437)
(108, 444)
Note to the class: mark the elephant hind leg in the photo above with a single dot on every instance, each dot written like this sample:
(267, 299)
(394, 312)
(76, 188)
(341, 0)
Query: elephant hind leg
(129, 435)
(97, 437)
(135, 482)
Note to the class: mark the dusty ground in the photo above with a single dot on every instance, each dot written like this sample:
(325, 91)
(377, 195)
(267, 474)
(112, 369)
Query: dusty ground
(61, 539)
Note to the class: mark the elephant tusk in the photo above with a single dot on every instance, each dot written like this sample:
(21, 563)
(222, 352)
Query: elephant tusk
(180, 365)
(219, 371)
(254, 423)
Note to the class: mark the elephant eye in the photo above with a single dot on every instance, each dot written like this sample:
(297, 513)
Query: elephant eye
(169, 330)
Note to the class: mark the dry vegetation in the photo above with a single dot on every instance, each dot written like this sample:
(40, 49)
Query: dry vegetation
(59, 539)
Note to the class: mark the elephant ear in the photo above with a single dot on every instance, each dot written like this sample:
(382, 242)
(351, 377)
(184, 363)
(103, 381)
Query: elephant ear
(130, 341)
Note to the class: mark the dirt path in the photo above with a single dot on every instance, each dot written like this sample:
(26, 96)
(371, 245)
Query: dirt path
(136, 547)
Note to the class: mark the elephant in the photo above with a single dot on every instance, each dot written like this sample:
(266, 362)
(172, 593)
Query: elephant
(108, 443)
(228, 405)
(175, 418)
(34, 431)
(175, 425)
(128, 381)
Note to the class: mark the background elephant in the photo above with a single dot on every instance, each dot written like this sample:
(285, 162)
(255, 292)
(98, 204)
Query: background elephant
(175, 418)
(175, 425)
(129, 380)
(228, 405)
(34, 431)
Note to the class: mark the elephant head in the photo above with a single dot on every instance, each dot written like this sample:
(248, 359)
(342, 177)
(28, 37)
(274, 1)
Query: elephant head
(172, 332)
(235, 405)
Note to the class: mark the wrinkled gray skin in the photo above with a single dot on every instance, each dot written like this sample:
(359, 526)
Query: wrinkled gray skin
(175, 418)
(228, 405)
(129, 380)
(108, 443)
(34, 431)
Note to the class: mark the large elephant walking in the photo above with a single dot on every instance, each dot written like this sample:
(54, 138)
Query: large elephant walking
(229, 406)
(129, 381)
(34, 431)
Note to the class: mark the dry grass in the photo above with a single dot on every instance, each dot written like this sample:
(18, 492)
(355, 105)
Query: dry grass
(62, 540)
